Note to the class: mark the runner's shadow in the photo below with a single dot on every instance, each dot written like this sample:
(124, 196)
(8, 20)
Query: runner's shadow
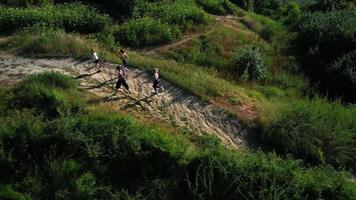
(82, 61)
(139, 74)
(103, 84)
(138, 102)
(107, 99)
(84, 75)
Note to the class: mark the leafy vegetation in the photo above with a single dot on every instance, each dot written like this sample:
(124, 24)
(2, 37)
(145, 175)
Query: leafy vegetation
(183, 13)
(99, 154)
(50, 94)
(323, 39)
(218, 7)
(54, 145)
(317, 132)
(71, 17)
(248, 64)
(147, 31)
(41, 42)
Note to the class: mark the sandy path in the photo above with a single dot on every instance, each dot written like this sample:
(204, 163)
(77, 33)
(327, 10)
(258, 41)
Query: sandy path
(172, 106)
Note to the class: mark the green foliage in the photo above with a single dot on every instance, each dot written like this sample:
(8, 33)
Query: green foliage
(317, 132)
(322, 39)
(183, 13)
(244, 4)
(226, 175)
(102, 155)
(71, 17)
(248, 64)
(51, 94)
(7, 193)
(342, 73)
(330, 5)
(147, 31)
(47, 42)
(218, 7)
(216, 48)
(23, 3)
(51, 79)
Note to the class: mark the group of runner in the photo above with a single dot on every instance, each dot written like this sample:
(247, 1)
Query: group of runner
(122, 71)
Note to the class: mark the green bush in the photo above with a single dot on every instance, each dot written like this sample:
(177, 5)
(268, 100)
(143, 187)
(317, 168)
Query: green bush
(8, 193)
(317, 132)
(23, 3)
(228, 175)
(51, 94)
(147, 31)
(51, 79)
(218, 7)
(244, 4)
(22, 144)
(71, 17)
(342, 73)
(248, 64)
(330, 5)
(322, 39)
(182, 13)
(47, 42)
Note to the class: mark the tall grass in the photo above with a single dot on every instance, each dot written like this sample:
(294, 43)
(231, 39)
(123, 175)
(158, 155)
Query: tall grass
(49, 94)
(218, 7)
(147, 31)
(71, 17)
(47, 42)
(183, 13)
(316, 131)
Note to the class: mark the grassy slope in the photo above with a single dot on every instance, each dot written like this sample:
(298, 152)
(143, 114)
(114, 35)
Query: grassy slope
(259, 102)
(96, 153)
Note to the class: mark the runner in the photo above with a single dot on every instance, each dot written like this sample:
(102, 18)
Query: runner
(156, 80)
(96, 60)
(124, 57)
(121, 79)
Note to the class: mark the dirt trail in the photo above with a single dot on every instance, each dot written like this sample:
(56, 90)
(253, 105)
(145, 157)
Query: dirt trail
(174, 105)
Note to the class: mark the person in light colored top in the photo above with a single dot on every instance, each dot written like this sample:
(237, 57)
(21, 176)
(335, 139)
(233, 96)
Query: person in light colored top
(124, 57)
(121, 79)
(96, 60)
(156, 80)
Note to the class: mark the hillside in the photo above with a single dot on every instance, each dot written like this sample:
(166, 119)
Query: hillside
(258, 99)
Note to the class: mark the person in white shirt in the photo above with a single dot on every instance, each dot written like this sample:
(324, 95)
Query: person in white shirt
(121, 79)
(156, 80)
(124, 57)
(96, 60)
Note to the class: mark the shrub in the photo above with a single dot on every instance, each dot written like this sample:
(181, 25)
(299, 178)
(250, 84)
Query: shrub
(182, 13)
(23, 3)
(248, 64)
(71, 17)
(51, 79)
(21, 141)
(322, 39)
(147, 31)
(47, 42)
(8, 193)
(53, 98)
(342, 73)
(218, 7)
(129, 155)
(330, 5)
(244, 4)
(317, 132)
(228, 175)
